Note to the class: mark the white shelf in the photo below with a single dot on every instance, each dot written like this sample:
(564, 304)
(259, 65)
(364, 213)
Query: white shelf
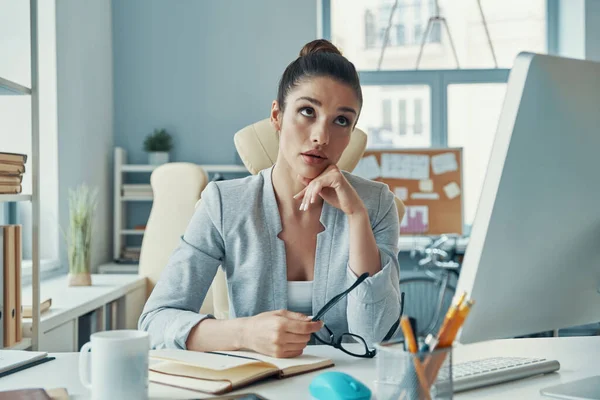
(132, 232)
(12, 88)
(24, 344)
(7, 198)
(210, 168)
(137, 198)
(138, 168)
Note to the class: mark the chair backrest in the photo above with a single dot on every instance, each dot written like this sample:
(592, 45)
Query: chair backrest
(176, 188)
(258, 144)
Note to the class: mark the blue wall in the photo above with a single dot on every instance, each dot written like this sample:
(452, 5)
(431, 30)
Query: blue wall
(201, 69)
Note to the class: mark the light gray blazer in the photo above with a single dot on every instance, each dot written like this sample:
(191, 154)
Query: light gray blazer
(236, 226)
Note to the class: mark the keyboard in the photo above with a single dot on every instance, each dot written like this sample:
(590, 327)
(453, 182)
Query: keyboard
(490, 371)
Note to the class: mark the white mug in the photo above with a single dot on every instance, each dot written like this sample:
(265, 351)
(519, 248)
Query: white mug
(119, 364)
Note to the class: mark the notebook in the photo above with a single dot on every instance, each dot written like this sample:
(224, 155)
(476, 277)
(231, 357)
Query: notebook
(222, 372)
(12, 359)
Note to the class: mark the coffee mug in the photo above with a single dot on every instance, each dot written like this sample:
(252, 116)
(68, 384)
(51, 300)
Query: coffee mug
(119, 365)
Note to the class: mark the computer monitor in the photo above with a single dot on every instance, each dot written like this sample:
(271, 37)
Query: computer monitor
(533, 259)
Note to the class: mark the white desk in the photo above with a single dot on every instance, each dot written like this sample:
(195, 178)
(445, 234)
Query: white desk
(125, 295)
(578, 357)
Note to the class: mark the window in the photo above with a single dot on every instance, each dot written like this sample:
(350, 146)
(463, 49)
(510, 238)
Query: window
(438, 104)
(15, 124)
(418, 126)
(402, 125)
(514, 26)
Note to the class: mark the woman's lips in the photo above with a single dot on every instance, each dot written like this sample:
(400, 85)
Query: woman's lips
(313, 160)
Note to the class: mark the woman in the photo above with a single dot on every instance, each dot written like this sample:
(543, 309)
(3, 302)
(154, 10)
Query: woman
(291, 237)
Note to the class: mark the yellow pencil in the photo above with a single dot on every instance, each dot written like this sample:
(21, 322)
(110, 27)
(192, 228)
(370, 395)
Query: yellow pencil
(411, 342)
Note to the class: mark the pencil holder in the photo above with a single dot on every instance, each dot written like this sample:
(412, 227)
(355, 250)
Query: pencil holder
(412, 376)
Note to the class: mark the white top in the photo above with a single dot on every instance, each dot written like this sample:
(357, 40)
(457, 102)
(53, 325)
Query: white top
(300, 296)
(578, 357)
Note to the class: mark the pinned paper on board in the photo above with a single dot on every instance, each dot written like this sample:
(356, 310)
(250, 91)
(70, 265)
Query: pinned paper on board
(452, 190)
(443, 163)
(426, 185)
(404, 166)
(367, 168)
(401, 193)
(416, 220)
(425, 196)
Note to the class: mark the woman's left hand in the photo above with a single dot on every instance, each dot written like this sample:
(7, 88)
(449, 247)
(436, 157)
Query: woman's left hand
(334, 188)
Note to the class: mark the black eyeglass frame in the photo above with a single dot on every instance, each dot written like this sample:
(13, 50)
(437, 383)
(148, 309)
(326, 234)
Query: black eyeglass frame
(337, 342)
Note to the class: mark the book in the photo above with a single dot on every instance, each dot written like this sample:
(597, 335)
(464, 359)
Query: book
(13, 359)
(10, 282)
(13, 158)
(25, 394)
(44, 306)
(222, 372)
(12, 169)
(17, 266)
(11, 180)
(10, 189)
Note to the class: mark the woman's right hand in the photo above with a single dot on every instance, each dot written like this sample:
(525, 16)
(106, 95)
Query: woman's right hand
(281, 333)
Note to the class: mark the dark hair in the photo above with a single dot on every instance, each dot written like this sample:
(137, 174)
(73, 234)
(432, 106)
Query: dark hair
(318, 58)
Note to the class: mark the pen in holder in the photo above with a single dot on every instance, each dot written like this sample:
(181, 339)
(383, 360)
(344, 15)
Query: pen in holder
(402, 375)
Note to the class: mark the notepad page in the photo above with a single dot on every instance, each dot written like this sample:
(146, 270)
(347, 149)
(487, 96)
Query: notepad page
(303, 360)
(199, 359)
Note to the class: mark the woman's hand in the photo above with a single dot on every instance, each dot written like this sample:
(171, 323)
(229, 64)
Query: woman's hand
(281, 334)
(334, 188)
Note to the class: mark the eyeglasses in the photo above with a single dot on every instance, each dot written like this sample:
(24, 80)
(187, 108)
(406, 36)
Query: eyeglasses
(342, 342)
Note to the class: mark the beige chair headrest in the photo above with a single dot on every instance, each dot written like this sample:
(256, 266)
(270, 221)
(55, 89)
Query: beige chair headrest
(258, 145)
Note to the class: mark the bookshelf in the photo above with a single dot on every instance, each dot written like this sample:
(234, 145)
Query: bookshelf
(9, 88)
(121, 202)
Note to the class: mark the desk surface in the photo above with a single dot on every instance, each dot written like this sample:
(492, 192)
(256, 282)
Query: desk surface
(578, 357)
(71, 302)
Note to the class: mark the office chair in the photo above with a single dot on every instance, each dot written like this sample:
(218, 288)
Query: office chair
(177, 188)
(257, 146)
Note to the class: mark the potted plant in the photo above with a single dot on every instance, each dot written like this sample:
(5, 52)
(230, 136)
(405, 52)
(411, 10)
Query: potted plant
(158, 145)
(82, 208)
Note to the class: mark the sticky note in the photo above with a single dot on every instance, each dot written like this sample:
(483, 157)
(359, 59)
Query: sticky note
(452, 190)
(443, 163)
(401, 193)
(425, 196)
(404, 166)
(426, 185)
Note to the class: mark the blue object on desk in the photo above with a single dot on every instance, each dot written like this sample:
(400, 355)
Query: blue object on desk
(338, 386)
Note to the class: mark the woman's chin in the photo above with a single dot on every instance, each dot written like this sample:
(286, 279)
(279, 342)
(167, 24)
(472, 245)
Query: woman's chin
(311, 172)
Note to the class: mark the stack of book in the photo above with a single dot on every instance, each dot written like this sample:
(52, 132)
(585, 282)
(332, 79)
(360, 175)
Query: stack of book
(12, 168)
(137, 190)
(10, 301)
(131, 254)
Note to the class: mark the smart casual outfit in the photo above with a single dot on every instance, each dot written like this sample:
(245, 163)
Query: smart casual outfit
(236, 226)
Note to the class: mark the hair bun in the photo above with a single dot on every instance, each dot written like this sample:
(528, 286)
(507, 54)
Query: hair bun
(319, 46)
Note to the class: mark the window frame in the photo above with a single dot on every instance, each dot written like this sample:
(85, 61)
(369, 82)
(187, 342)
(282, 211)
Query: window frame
(439, 80)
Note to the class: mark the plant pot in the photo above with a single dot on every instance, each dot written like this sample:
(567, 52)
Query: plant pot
(80, 279)
(158, 157)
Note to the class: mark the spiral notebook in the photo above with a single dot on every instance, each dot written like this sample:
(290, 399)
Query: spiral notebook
(222, 372)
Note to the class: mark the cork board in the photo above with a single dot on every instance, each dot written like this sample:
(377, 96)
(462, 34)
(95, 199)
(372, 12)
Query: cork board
(428, 181)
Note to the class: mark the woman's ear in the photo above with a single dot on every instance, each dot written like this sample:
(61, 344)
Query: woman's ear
(276, 116)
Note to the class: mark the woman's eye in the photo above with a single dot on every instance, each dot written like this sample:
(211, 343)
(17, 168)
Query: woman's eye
(342, 121)
(307, 112)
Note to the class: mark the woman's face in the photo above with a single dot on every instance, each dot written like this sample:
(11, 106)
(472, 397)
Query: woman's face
(315, 128)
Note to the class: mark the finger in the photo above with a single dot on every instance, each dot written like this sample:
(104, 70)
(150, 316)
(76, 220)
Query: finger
(292, 354)
(306, 198)
(296, 338)
(303, 328)
(294, 315)
(316, 190)
(298, 195)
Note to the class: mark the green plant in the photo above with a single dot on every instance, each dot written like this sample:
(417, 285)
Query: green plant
(82, 208)
(160, 140)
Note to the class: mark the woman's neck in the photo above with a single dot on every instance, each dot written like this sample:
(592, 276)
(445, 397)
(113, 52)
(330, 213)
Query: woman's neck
(286, 185)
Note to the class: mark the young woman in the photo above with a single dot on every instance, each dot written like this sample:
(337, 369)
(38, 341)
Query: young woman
(290, 238)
